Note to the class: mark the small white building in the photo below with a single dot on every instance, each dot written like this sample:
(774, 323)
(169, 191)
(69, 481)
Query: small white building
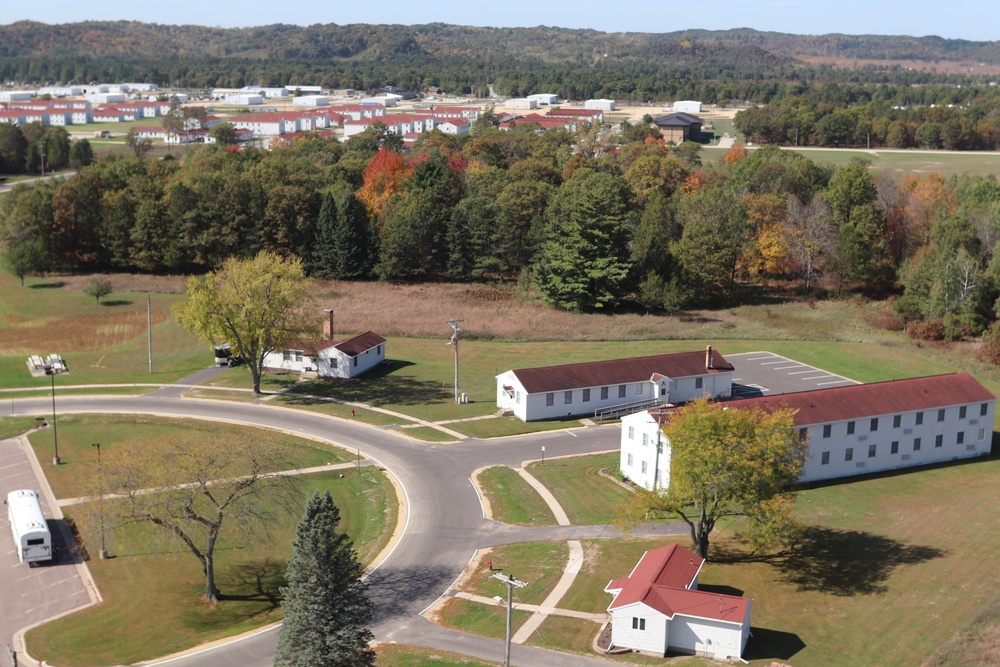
(345, 358)
(546, 99)
(601, 104)
(244, 99)
(106, 98)
(687, 106)
(308, 90)
(61, 91)
(311, 101)
(852, 430)
(658, 609)
(453, 125)
(569, 390)
(139, 87)
(521, 104)
(15, 95)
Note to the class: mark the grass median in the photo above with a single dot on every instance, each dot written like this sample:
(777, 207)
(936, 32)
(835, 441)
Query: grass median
(512, 500)
(585, 496)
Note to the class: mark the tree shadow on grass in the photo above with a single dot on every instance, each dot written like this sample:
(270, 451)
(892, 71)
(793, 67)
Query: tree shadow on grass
(840, 562)
(116, 302)
(383, 385)
(52, 285)
(254, 581)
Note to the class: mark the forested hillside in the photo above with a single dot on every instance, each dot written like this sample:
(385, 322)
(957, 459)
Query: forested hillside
(712, 66)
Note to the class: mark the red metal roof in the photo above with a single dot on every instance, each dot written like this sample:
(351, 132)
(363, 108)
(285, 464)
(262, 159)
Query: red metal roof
(352, 347)
(618, 371)
(661, 579)
(878, 398)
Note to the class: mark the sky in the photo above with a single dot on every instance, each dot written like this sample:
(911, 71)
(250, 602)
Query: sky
(963, 19)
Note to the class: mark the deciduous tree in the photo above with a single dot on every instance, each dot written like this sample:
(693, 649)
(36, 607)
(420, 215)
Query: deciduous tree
(326, 609)
(98, 286)
(256, 305)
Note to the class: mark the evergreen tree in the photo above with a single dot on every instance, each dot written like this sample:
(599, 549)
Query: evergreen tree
(326, 609)
(352, 241)
(324, 254)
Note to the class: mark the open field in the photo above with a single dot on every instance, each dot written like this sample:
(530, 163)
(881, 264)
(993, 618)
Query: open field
(401, 655)
(152, 585)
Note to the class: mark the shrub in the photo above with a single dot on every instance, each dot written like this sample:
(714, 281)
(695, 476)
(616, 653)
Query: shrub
(990, 349)
(929, 329)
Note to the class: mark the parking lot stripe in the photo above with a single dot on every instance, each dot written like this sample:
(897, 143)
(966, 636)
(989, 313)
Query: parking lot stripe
(837, 382)
(781, 368)
(811, 370)
(819, 377)
(770, 356)
(779, 361)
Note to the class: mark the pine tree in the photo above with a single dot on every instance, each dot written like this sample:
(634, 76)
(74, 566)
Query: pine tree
(324, 252)
(326, 609)
(352, 239)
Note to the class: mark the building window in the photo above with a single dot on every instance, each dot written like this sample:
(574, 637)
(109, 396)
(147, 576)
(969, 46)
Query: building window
(982, 434)
(604, 393)
(586, 396)
(960, 438)
(629, 464)
(825, 459)
(849, 454)
(638, 389)
(567, 397)
(920, 418)
(550, 399)
(871, 451)
(916, 444)
(850, 428)
(941, 415)
(638, 623)
(644, 467)
(983, 409)
(827, 430)
(897, 420)
(645, 439)
(803, 432)
(631, 432)
(355, 361)
(698, 383)
(938, 440)
(961, 412)
(894, 447)
(517, 397)
(621, 391)
(874, 426)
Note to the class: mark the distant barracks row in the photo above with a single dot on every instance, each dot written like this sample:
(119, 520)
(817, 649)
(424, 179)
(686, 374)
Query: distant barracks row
(851, 430)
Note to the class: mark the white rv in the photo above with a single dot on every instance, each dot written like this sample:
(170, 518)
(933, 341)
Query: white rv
(27, 523)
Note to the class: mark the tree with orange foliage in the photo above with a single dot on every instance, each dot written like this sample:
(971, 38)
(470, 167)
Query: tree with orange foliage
(735, 154)
(384, 176)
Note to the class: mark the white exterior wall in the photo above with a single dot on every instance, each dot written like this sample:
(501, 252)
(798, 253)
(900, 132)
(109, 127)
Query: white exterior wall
(334, 363)
(311, 101)
(639, 438)
(687, 106)
(244, 100)
(719, 639)
(449, 128)
(651, 640)
(521, 104)
(533, 407)
(544, 98)
(714, 385)
(905, 435)
(287, 360)
(15, 95)
(105, 98)
(601, 104)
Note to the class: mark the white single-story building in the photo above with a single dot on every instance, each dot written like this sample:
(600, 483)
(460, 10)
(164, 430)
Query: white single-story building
(244, 100)
(521, 104)
(106, 98)
(544, 98)
(311, 101)
(581, 389)
(345, 358)
(852, 430)
(687, 106)
(658, 609)
(15, 95)
(600, 104)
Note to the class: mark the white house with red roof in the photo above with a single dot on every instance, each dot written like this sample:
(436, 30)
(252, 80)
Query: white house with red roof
(453, 125)
(569, 390)
(658, 609)
(346, 358)
(852, 430)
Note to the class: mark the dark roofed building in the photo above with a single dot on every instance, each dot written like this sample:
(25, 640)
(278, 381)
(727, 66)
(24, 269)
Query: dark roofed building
(678, 127)
(580, 389)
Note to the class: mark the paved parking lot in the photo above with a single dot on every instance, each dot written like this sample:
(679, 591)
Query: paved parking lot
(767, 374)
(32, 594)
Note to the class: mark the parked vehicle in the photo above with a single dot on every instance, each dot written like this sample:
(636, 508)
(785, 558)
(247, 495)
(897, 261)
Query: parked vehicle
(32, 538)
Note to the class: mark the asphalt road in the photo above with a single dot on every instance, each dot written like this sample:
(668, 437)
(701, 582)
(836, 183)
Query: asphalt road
(445, 525)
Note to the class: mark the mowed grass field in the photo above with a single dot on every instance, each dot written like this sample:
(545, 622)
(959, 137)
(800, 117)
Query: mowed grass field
(152, 586)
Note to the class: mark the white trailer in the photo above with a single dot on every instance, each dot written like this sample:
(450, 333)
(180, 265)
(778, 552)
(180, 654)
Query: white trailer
(27, 523)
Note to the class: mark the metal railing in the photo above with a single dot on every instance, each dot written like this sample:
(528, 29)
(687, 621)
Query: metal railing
(617, 411)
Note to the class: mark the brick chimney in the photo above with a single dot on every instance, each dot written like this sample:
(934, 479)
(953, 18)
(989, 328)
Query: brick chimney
(709, 363)
(328, 324)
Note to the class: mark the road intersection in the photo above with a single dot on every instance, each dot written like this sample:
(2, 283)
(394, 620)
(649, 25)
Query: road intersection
(444, 522)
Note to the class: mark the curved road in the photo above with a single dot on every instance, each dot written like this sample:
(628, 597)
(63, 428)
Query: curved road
(445, 525)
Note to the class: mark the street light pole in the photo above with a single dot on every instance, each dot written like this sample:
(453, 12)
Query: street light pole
(454, 341)
(55, 430)
(511, 584)
(100, 497)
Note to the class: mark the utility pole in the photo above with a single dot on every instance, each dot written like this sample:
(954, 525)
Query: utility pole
(454, 341)
(55, 431)
(511, 584)
(100, 497)
(149, 334)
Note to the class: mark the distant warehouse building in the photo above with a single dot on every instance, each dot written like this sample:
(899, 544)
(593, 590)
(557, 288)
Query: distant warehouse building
(687, 106)
(244, 100)
(602, 105)
(15, 95)
(311, 101)
(544, 98)
(521, 104)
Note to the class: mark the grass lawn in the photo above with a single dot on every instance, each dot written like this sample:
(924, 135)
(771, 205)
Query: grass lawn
(402, 655)
(585, 496)
(340, 410)
(481, 619)
(905, 550)
(13, 426)
(512, 500)
(503, 426)
(96, 390)
(152, 585)
(427, 434)
(539, 563)
(79, 460)
(240, 378)
(222, 395)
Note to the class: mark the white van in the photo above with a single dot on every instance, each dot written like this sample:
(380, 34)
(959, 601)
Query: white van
(27, 523)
